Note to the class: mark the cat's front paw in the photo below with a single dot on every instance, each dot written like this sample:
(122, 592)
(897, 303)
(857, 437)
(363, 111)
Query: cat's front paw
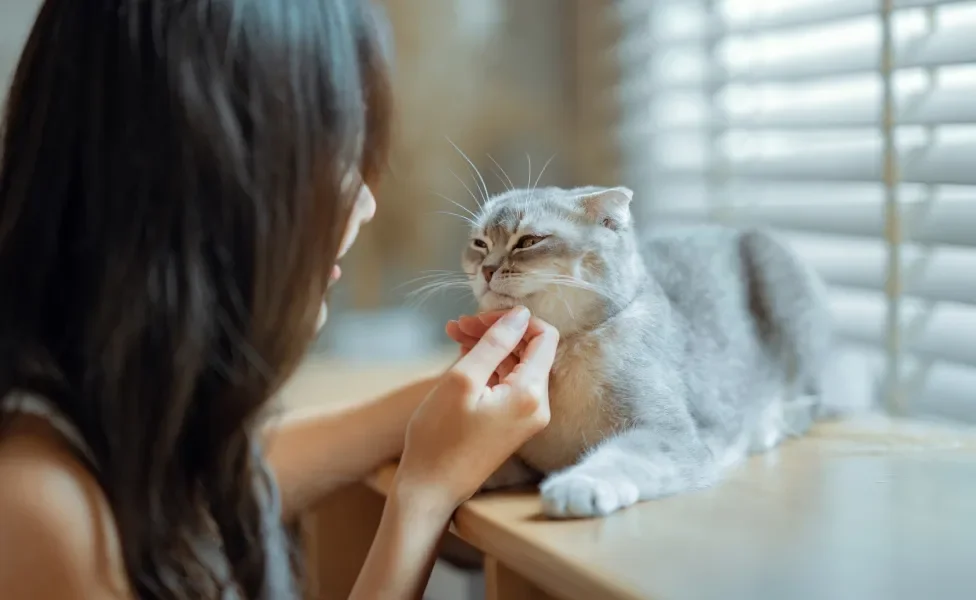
(576, 493)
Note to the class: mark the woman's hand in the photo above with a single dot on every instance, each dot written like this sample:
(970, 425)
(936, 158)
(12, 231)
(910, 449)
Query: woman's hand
(469, 329)
(476, 416)
(486, 406)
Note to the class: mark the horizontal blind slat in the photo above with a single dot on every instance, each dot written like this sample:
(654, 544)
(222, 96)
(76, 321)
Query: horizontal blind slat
(938, 222)
(944, 390)
(800, 14)
(937, 107)
(949, 391)
(930, 273)
(947, 164)
(943, 333)
(944, 48)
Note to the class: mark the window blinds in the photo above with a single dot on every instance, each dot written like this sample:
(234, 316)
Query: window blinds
(849, 126)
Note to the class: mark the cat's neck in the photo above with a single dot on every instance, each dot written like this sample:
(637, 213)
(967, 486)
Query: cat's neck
(576, 311)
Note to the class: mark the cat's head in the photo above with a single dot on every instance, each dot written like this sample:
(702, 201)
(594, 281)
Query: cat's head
(568, 255)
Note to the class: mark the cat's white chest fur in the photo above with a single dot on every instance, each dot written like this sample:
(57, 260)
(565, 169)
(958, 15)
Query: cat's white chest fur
(580, 416)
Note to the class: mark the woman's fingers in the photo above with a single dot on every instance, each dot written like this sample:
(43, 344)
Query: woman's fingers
(454, 332)
(468, 342)
(469, 329)
(520, 349)
(475, 326)
(489, 318)
(469, 325)
(539, 354)
(506, 367)
(494, 346)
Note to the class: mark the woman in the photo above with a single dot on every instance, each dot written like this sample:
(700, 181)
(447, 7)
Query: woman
(178, 181)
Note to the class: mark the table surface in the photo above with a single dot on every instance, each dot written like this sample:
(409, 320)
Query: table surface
(872, 508)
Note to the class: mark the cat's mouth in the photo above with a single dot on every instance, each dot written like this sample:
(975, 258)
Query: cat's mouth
(504, 292)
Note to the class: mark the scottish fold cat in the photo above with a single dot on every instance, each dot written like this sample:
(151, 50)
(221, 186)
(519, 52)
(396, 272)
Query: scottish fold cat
(681, 352)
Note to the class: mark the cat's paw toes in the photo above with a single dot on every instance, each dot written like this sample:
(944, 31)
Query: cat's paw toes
(576, 495)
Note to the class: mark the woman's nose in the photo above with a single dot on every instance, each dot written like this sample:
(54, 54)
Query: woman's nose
(489, 271)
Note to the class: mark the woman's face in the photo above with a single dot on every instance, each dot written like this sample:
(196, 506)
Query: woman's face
(362, 212)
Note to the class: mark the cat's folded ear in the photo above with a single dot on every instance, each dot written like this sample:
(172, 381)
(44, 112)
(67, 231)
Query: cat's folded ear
(609, 207)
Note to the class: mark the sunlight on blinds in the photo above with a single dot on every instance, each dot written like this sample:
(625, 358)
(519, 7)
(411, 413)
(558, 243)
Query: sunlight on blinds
(772, 112)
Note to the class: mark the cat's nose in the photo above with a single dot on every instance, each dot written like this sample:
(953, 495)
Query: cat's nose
(488, 272)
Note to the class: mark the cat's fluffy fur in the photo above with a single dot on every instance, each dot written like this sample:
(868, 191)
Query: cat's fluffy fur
(681, 352)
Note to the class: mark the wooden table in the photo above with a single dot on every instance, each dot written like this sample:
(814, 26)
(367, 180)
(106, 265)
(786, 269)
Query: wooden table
(869, 509)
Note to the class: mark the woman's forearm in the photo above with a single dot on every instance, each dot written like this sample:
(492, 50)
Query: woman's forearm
(312, 455)
(404, 550)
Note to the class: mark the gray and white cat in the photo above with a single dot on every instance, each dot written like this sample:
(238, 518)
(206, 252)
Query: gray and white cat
(680, 353)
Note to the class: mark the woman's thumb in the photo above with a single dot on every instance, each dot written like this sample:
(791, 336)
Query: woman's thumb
(493, 347)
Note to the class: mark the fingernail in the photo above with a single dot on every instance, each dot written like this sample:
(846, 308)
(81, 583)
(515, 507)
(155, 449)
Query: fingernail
(518, 317)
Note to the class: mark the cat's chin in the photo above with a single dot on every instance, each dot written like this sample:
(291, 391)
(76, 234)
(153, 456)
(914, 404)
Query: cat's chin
(495, 301)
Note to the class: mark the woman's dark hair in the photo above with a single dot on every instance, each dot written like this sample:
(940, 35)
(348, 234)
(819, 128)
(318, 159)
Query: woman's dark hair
(174, 185)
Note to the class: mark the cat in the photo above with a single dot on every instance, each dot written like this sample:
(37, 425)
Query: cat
(681, 352)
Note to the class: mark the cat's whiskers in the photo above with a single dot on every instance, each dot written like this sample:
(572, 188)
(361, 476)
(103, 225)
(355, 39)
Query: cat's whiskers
(443, 274)
(562, 298)
(457, 204)
(522, 202)
(435, 276)
(511, 186)
(569, 281)
(476, 199)
(454, 214)
(420, 297)
(566, 281)
(499, 177)
(474, 168)
(539, 176)
(434, 283)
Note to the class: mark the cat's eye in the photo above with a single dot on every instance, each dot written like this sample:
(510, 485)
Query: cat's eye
(480, 244)
(527, 241)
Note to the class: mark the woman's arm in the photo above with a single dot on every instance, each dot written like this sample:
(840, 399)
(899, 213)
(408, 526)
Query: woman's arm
(461, 433)
(405, 547)
(58, 537)
(312, 455)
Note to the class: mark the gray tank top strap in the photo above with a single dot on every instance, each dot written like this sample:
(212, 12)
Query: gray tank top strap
(37, 406)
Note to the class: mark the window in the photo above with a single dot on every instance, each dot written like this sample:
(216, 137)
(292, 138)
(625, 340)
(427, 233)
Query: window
(848, 125)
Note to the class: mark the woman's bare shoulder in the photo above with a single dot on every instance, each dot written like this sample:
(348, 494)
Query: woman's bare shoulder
(57, 535)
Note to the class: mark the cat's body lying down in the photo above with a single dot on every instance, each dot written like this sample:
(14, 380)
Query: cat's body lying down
(680, 354)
